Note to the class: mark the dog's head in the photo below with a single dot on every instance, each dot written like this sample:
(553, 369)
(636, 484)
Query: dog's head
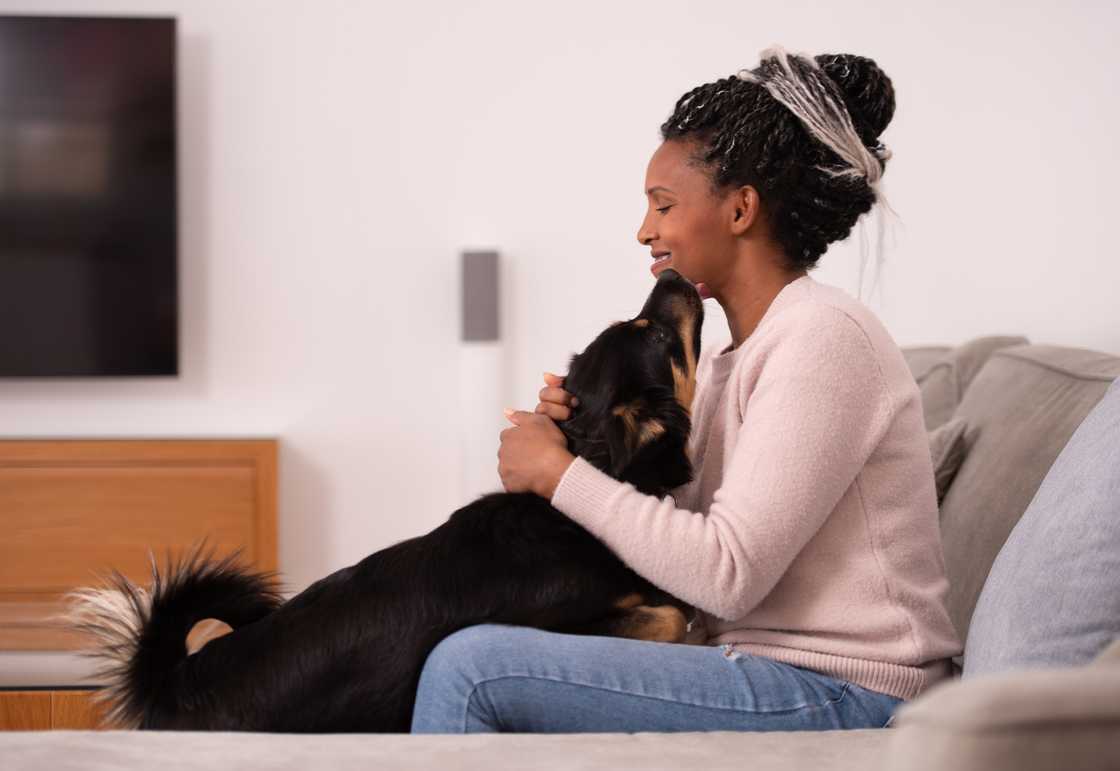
(635, 384)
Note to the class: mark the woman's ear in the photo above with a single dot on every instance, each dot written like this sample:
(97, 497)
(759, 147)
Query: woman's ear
(746, 206)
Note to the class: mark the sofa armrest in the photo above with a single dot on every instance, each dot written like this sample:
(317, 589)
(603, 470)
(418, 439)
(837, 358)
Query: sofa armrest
(1038, 719)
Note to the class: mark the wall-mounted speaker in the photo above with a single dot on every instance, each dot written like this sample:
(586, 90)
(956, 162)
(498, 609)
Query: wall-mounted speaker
(483, 372)
(480, 292)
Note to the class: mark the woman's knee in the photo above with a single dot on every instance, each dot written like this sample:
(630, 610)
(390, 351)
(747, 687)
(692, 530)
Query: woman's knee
(468, 647)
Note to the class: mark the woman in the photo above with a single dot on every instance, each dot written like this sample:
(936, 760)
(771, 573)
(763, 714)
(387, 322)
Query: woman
(809, 538)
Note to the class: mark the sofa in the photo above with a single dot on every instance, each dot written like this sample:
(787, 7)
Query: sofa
(1026, 442)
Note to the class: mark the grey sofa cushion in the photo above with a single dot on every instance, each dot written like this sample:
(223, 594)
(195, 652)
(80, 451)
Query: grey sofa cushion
(1021, 408)
(922, 358)
(1052, 597)
(943, 374)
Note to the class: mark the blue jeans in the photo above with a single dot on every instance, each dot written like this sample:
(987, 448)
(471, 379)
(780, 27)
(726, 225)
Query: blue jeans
(499, 678)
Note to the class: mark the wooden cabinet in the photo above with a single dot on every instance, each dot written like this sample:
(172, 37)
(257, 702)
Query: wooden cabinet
(72, 510)
(41, 710)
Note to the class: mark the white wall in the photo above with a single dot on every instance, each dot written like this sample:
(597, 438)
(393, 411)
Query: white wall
(337, 156)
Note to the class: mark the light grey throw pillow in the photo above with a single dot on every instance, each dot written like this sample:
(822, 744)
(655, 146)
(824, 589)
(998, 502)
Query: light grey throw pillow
(947, 448)
(1052, 598)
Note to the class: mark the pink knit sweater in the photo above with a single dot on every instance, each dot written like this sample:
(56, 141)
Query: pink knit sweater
(810, 532)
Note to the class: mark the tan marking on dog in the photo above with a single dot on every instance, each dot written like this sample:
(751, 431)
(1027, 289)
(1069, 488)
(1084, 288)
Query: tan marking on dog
(629, 415)
(629, 601)
(204, 631)
(684, 381)
(641, 323)
(638, 432)
(664, 623)
(650, 430)
(684, 387)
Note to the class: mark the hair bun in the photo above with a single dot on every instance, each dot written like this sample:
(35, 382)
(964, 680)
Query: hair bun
(868, 92)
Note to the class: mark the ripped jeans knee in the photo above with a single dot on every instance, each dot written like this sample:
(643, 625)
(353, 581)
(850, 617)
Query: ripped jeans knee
(729, 652)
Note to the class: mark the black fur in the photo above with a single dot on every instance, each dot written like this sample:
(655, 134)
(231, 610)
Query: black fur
(346, 653)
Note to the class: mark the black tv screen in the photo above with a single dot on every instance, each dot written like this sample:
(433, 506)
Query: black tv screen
(88, 257)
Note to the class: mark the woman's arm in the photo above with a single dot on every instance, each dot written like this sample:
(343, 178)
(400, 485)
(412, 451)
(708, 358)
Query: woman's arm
(817, 409)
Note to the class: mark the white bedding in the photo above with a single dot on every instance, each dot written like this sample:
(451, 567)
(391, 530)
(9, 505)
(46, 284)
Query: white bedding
(175, 751)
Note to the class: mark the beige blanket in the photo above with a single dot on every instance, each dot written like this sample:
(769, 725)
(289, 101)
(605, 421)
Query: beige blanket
(175, 750)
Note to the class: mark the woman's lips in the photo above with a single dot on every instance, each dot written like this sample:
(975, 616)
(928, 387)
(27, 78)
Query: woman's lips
(661, 263)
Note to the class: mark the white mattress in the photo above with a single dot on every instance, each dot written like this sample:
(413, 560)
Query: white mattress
(179, 751)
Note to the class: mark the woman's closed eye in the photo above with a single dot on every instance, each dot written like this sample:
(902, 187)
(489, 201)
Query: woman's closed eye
(664, 209)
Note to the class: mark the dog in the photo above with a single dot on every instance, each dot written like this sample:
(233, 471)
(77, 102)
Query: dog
(345, 654)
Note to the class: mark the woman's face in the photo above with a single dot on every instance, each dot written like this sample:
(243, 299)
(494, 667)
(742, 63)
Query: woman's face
(686, 225)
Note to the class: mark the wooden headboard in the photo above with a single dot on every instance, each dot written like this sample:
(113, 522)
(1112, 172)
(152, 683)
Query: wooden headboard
(73, 509)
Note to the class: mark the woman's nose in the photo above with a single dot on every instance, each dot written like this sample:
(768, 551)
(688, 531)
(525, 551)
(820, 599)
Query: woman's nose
(645, 233)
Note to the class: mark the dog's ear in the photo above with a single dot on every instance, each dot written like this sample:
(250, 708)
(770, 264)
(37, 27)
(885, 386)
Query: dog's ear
(641, 429)
(630, 427)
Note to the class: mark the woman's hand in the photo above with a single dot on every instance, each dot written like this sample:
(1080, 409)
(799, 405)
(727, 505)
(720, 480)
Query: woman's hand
(533, 455)
(555, 401)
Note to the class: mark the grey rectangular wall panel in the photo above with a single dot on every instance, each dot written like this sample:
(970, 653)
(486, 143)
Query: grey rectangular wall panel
(480, 296)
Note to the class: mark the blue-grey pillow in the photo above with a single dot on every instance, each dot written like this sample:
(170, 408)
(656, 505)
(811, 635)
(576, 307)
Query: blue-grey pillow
(1052, 597)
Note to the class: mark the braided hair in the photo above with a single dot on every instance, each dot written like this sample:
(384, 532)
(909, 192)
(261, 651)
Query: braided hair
(802, 131)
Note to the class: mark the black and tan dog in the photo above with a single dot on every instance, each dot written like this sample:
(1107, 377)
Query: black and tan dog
(346, 653)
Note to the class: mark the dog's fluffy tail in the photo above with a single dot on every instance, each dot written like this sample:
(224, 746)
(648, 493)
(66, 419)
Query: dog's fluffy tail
(140, 635)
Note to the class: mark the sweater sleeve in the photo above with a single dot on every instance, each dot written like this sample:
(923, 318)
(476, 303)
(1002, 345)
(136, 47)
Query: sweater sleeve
(817, 410)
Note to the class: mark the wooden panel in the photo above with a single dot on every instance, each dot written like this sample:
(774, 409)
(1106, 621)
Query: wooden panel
(73, 509)
(102, 516)
(25, 710)
(76, 710)
(25, 624)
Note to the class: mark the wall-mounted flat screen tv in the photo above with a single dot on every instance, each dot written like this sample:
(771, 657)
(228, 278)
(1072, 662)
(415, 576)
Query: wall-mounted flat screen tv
(88, 247)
